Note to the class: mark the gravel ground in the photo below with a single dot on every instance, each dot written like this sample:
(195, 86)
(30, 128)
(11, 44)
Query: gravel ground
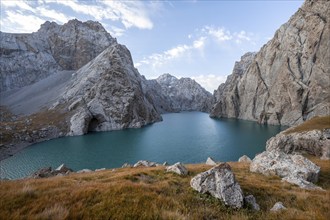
(32, 98)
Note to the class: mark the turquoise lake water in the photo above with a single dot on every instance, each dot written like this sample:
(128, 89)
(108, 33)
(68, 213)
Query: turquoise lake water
(188, 137)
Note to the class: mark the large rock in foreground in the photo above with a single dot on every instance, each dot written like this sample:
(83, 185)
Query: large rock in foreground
(287, 81)
(220, 182)
(295, 169)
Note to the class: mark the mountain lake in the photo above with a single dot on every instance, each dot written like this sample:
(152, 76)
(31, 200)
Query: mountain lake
(188, 137)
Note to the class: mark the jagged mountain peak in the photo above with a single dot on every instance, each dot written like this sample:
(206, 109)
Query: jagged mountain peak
(92, 25)
(170, 94)
(51, 49)
(167, 78)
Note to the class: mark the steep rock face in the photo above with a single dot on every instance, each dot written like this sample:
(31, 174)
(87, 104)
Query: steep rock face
(106, 94)
(76, 43)
(287, 81)
(170, 94)
(227, 100)
(24, 59)
(28, 58)
(153, 91)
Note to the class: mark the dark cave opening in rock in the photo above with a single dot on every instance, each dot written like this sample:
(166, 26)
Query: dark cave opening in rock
(93, 124)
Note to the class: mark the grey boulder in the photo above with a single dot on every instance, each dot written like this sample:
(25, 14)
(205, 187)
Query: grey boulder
(250, 200)
(84, 171)
(278, 207)
(245, 159)
(178, 168)
(220, 182)
(210, 161)
(126, 165)
(293, 168)
(144, 163)
(63, 169)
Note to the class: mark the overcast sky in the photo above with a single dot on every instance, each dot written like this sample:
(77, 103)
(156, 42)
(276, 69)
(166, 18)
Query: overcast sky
(197, 39)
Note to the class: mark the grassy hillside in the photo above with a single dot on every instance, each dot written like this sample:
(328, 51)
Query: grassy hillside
(316, 123)
(151, 193)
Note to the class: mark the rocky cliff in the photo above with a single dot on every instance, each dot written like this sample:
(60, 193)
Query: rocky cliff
(170, 94)
(106, 94)
(100, 89)
(28, 58)
(288, 80)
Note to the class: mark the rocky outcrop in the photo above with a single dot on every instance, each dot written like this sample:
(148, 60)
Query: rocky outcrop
(170, 94)
(126, 165)
(28, 58)
(106, 94)
(287, 81)
(84, 171)
(314, 142)
(251, 202)
(144, 163)
(49, 172)
(278, 207)
(292, 168)
(178, 168)
(210, 161)
(245, 159)
(63, 169)
(220, 182)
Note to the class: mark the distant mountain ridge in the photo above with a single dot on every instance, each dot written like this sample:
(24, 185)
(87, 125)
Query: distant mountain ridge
(288, 80)
(170, 94)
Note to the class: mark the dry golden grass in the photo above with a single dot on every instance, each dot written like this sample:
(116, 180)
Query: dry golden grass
(316, 123)
(151, 193)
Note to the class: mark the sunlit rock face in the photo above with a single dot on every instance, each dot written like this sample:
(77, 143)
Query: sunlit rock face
(287, 81)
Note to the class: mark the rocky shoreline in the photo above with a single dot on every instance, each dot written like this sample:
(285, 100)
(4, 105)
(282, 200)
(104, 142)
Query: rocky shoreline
(220, 181)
